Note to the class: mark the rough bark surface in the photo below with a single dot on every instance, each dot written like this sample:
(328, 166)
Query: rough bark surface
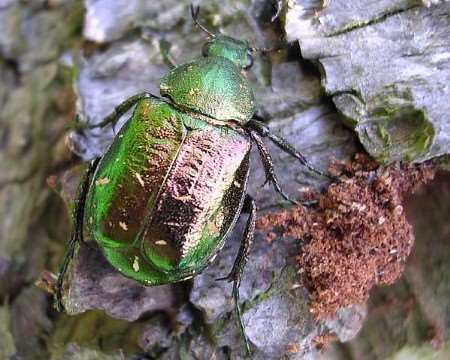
(386, 66)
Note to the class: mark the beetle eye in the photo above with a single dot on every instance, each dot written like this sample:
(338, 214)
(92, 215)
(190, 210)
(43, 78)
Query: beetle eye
(249, 62)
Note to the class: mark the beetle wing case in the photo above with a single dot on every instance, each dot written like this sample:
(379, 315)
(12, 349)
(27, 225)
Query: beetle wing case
(164, 196)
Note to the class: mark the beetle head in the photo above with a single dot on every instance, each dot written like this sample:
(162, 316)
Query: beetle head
(238, 51)
(235, 50)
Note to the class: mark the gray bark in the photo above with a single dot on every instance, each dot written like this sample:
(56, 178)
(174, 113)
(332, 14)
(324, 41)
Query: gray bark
(386, 66)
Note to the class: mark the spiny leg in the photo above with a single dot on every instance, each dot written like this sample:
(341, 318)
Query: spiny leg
(278, 4)
(241, 260)
(264, 131)
(77, 231)
(116, 114)
(165, 53)
(268, 166)
(122, 108)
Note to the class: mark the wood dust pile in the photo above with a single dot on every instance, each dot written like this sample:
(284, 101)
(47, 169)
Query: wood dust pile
(357, 236)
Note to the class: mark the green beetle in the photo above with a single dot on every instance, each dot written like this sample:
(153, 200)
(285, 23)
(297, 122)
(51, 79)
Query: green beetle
(170, 188)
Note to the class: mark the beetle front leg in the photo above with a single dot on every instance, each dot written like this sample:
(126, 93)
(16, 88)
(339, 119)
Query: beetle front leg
(241, 260)
(262, 130)
(122, 108)
(77, 232)
(165, 53)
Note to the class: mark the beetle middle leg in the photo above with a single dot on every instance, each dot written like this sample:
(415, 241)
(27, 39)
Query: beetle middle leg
(77, 232)
(241, 259)
(269, 168)
(262, 130)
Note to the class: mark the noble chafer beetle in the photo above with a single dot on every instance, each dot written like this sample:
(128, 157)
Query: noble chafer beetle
(166, 194)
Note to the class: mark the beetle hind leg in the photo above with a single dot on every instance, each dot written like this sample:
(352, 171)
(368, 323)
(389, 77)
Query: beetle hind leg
(240, 261)
(77, 232)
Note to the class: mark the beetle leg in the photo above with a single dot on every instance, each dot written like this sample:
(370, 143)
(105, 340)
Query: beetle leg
(239, 317)
(268, 167)
(165, 53)
(77, 232)
(264, 131)
(278, 4)
(122, 108)
(241, 260)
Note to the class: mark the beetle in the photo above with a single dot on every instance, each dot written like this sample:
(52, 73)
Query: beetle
(162, 200)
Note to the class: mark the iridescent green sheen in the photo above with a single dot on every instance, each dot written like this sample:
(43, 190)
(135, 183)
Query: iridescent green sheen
(212, 86)
(165, 194)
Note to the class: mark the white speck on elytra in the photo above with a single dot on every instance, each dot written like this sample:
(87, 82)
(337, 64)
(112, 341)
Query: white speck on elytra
(102, 181)
(136, 264)
(123, 225)
(139, 177)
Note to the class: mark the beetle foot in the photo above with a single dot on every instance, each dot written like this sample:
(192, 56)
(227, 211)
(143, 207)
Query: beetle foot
(229, 278)
(233, 276)
(77, 124)
(58, 305)
(265, 182)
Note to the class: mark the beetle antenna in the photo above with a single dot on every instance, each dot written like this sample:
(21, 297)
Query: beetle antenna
(195, 10)
(266, 50)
